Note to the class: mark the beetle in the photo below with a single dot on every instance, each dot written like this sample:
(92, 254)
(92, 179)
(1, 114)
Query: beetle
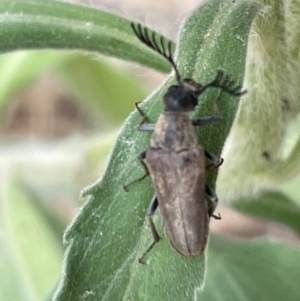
(175, 160)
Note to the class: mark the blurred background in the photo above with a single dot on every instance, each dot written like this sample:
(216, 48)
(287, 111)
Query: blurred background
(60, 115)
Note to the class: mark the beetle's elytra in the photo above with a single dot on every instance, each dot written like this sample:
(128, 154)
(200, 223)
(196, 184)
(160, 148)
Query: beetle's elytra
(175, 160)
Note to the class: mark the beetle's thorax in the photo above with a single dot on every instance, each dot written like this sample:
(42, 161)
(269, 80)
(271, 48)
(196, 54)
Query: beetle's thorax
(174, 132)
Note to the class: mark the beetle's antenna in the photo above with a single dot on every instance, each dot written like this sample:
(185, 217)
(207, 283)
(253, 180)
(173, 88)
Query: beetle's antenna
(166, 51)
(223, 82)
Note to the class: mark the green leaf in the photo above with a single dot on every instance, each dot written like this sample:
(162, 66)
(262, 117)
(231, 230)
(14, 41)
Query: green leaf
(95, 157)
(251, 270)
(30, 253)
(43, 24)
(273, 206)
(292, 190)
(222, 45)
(109, 234)
(255, 158)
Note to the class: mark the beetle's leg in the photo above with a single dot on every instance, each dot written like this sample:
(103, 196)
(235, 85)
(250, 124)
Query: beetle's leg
(215, 160)
(212, 197)
(210, 120)
(150, 211)
(144, 116)
(206, 121)
(144, 127)
(141, 158)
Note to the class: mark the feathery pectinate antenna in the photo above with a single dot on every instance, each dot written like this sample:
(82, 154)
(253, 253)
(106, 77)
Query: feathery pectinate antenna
(166, 51)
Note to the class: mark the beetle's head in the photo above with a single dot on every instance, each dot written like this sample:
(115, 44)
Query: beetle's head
(182, 97)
